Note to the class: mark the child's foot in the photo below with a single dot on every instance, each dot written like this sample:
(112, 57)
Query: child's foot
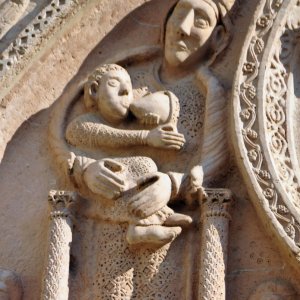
(153, 235)
(178, 220)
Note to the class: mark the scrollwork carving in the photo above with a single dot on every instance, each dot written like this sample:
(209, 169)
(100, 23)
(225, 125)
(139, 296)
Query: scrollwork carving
(263, 99)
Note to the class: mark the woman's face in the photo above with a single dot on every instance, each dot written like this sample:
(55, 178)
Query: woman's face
(188, 30)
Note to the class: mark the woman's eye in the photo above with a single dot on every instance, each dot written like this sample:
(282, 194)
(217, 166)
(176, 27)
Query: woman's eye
(113, 82)
(200, 22)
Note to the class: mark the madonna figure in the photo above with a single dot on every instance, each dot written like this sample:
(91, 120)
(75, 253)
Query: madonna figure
(195, 34)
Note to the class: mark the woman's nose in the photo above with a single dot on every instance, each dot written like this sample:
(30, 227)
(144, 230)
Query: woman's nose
(186, 24)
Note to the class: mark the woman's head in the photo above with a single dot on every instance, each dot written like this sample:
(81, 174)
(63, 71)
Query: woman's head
(196, 30)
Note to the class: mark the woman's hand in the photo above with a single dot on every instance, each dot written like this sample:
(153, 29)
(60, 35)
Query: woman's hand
(165, 137)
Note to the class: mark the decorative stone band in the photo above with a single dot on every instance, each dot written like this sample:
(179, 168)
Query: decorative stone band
(215, 217)
(55, 282)
(14, 58)
(264, 120)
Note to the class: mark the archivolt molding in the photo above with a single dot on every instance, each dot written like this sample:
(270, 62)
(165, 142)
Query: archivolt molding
(10, 11)
(261, 106)
(276, 116)
(29, 39)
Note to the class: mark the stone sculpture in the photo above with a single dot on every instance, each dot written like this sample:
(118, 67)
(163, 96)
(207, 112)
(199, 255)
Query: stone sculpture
(141, 114)
(180, 109)
(213, 152)
(110, 90)
(264, 120)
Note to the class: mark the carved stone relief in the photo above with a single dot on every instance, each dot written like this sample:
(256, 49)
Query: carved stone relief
(263, 110)
(134, 146)
(16, 48)
(131, 187)
(10, 11)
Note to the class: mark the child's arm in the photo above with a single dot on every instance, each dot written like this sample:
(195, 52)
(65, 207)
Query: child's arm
(86, 131)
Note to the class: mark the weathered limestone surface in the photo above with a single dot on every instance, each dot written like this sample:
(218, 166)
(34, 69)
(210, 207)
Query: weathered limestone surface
(166, 136)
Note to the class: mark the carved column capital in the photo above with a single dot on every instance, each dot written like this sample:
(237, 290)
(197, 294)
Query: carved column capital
(215, 202)
(60, 203)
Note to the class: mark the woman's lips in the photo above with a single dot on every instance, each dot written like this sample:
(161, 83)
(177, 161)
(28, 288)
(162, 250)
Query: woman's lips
(181, 46)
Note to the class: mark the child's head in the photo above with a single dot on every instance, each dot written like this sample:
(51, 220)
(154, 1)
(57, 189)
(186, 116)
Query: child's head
(109, 89)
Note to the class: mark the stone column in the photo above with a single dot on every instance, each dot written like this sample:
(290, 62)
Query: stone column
(55, 282)
(214, 204)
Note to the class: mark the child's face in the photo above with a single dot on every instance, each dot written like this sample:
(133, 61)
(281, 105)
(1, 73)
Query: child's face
(115, 95)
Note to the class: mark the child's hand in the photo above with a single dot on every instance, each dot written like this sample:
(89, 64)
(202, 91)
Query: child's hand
(165, 137)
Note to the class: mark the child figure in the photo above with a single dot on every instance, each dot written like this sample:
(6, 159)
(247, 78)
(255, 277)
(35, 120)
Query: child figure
(109, 90)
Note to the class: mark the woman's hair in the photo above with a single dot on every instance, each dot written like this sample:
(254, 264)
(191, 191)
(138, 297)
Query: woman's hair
(224, 19)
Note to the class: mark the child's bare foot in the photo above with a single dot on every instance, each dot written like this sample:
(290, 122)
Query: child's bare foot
(153, 235)
(178, 220)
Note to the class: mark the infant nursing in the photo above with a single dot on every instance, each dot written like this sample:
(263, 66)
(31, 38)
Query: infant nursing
(109, 91)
